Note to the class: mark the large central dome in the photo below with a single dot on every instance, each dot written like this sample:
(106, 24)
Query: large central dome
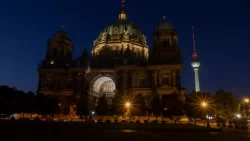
(120, 35)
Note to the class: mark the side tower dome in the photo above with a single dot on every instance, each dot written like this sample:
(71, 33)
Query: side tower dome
(165, 49)
(59, 49)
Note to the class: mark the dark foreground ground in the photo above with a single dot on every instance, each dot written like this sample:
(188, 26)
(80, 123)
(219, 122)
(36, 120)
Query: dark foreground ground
(44, 131)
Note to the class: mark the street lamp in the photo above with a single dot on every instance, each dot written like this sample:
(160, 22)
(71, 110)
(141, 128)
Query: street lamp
(127, 104)
(204, 105)
(245, 100)
(238, 115)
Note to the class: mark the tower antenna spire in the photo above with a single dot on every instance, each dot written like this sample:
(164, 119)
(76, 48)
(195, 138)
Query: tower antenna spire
(193, 38)
(63, 27)
(123, 4)
(195, 55)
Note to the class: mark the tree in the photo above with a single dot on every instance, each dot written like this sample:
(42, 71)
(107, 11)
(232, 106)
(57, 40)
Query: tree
(193, 105)
(156, 104)
(116, 105)
(226, 104)
(174, 108)
(102, 106)
(30, 103)
(83, 106)
(140, 106)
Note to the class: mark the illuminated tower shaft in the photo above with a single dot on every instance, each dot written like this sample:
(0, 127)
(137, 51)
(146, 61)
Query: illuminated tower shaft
(195, 64)
(196, 77)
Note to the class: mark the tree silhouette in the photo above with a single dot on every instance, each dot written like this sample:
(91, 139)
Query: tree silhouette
(83, 106)
(226, 104)
(140, 106)
(102, 106)
(173, 107)
(156, 104)
(116, 105)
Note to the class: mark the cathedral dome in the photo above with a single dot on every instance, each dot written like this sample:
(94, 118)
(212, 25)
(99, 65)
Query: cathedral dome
(121, 29)
(119, 35)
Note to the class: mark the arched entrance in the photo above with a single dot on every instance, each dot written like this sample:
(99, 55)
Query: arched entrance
(103, 85)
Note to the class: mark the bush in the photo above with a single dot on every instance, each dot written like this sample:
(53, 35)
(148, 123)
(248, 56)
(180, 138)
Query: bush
(244, 127)
(155, 121)
(244, 122)
(138, 121)
(236, 126)
(108, 121)
(230, 126)
(224, 125)
(24, 119)
(116, 121)
(131, 121)
(218, 125)
(145, 121)
(163, 122)
(220, 120)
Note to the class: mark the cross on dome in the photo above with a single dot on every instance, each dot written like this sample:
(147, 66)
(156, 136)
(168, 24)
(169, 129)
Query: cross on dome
(122, 15)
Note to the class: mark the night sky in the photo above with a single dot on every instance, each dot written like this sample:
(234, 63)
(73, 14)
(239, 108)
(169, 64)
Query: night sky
(222, 34)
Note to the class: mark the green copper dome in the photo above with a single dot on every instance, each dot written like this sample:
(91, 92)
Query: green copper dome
(119, 30)
(164, 26)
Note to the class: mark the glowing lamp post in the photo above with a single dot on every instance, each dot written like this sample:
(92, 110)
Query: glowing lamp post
(204, 105)
(245, 100)
(127, 106)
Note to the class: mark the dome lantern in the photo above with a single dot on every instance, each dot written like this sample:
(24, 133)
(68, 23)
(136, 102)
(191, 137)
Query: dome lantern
(123, 15)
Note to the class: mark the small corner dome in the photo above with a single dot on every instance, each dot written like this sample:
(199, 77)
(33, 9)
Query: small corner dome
(61, 34)
(163, 25)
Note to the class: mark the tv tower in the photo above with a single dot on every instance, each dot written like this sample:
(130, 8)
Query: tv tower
(195, 64)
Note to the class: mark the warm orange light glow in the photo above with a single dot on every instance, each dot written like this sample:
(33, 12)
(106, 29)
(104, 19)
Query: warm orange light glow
(246, 100)
(52, 62)
(204, 104)
(127, 104)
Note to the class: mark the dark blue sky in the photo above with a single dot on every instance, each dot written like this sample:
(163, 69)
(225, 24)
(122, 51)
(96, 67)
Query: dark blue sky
(222, 34)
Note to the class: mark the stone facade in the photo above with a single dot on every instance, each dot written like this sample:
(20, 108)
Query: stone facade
(120, 63)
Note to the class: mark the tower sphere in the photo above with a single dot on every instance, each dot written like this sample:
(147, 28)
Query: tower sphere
(195, 64)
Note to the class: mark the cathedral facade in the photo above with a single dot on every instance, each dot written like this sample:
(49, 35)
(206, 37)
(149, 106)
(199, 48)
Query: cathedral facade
(120, 63)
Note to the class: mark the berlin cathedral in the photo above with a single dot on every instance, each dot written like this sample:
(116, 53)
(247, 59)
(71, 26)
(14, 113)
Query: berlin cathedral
(120, 63)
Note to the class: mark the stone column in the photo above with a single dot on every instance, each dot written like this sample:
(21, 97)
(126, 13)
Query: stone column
(174, 78)
(155, 79)
(170, 79)
(125, 79)
(134, 79)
